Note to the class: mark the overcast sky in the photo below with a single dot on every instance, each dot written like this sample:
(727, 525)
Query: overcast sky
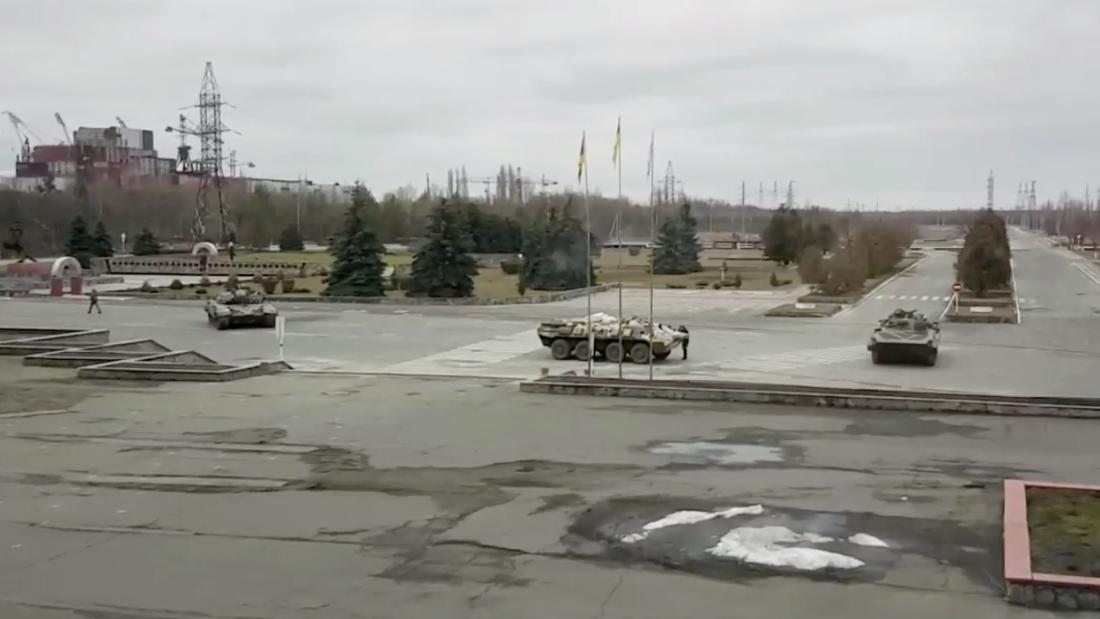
(900, 102)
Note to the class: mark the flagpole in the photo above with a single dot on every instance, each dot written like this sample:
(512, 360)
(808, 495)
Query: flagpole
(619, 230)
(588, 263)
(652, 247)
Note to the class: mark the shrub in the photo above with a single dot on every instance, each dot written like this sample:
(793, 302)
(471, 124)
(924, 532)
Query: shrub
(176, 285)
(511, 267)
(717, 286)
(200, 291)
(675, 286)
(204, 282)
(232, 283)
(147, 287)
(269, 284)
(774, 280)
(288, 285)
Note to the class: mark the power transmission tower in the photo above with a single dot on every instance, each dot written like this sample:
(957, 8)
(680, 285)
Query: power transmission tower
(209, 165)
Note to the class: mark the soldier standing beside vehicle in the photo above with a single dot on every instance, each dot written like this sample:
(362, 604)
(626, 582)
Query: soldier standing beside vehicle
(687, 338)
(93, 301)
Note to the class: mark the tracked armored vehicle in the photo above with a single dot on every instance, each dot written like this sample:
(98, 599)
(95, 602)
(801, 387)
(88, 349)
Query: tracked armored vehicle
(568, 339)
(240, 308)
(906, 336)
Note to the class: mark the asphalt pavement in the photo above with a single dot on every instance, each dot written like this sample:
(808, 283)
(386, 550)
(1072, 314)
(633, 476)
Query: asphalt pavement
(307, 496)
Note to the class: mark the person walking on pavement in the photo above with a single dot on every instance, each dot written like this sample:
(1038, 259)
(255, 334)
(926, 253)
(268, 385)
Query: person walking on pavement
(232, 251)
(683, 329)
(93, 301)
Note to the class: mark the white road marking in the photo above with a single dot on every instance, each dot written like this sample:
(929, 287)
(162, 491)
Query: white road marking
(924, 298)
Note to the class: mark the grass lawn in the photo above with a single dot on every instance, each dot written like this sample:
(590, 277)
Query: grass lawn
(312, 257)
(1064, 527)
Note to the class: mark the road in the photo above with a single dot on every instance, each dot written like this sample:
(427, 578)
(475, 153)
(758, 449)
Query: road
(308, 496)
(1060, 333)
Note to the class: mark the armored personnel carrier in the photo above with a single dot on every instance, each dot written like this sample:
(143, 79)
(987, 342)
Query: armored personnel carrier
(906, 336)
(238, 308)
(568, 339)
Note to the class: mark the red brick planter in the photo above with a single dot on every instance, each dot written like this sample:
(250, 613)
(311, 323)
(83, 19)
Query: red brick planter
(1024, 586)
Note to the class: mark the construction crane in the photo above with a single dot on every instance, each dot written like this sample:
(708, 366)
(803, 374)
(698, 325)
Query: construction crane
(121, 123)
(488, 182)
(64, 128)
(22, 129)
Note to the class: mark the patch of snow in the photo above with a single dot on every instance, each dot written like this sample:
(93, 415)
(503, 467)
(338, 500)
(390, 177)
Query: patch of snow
(863, 539)
(722, 453)
(760, 546)
(690, 517)
(751, 510)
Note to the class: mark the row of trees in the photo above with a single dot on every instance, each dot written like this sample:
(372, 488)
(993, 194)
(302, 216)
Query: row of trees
(84, 246)
(985, 260)
(872, 247)
(788, 235)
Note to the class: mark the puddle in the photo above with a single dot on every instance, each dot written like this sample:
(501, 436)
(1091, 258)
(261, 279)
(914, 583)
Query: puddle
(720, 453)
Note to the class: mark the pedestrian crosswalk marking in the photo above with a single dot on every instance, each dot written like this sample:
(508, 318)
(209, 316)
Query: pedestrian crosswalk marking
(472, 358)
(931, 298)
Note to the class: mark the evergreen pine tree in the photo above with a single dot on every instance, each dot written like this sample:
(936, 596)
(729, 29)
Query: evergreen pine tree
(79, 242)
(555, 254)
(357, 270)
(291, 239)
(443, 267)
(678, 249)
(146, 244)
(781, 237)
(101, 242)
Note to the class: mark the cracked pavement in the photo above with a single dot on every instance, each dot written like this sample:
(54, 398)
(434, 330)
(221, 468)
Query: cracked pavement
(308, 496)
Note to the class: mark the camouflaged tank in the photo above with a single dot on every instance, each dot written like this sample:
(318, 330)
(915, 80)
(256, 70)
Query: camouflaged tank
(906, 336)
(238, 308)
(568, 339)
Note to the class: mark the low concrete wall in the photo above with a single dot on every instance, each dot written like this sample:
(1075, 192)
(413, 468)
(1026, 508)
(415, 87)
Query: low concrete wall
(829, 397)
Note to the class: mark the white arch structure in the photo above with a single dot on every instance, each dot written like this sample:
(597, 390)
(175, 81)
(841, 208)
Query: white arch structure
(65, 267)
(204, 248)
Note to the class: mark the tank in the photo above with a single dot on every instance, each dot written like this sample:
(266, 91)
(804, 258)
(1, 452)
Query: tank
(906, 336)
(567, 338)
(240, 308)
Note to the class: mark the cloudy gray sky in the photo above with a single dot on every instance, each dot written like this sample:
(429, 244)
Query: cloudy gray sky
(901, 102)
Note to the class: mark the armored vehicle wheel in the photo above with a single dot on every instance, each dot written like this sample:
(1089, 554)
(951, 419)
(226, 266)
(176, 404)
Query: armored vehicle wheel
(561, 349)
(222, 324)
(876, 357)
(269, 321)
(613, 352)
(930, 360)
(639, 353)
(661, 356)
(581, 352)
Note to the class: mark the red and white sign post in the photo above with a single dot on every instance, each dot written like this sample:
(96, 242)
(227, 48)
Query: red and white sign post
(957, 288)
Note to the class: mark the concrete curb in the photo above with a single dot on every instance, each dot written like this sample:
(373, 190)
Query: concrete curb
(828, 397)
